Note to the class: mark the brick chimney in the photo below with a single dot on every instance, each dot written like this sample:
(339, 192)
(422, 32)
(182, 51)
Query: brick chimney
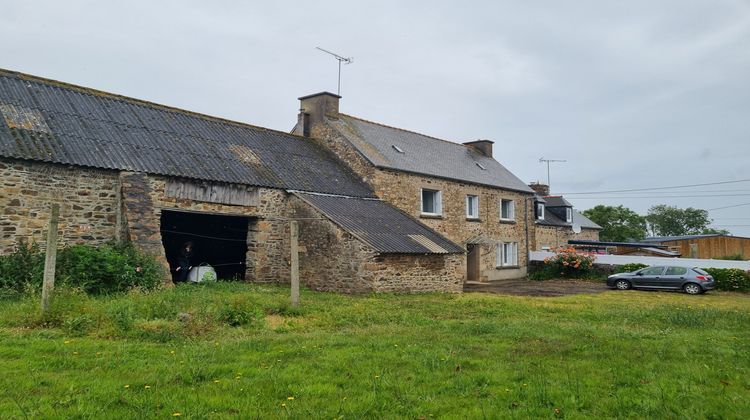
(482, 146)
(539, 188)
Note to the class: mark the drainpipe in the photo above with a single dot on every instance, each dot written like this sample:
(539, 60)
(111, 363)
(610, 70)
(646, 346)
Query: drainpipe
(526, 223)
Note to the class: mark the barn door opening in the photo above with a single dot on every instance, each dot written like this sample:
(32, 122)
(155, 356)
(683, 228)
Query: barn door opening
(472, 262)
(218, 240)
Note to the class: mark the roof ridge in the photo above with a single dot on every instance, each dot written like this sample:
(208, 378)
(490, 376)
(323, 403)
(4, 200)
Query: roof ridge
(408, 131)
(136, 101)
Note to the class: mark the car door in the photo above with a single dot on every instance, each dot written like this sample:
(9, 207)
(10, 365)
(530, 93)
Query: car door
(674, 277)
(649, 277)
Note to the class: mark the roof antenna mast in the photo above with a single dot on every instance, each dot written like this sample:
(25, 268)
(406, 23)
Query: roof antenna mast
(341, 59)
(542, 159)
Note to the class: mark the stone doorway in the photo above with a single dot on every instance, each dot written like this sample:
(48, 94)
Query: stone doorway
(472, 262)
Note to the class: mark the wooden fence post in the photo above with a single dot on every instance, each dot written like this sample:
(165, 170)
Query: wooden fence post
(294, 228)
(50, 258)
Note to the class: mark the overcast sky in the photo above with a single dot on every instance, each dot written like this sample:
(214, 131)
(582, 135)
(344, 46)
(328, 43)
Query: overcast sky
(632, 94)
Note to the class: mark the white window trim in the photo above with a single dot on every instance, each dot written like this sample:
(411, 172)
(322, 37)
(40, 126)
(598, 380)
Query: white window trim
(540, 211)
(568, 214)
(469, 214)
(503, 259)
(438, 202)
(512, 210)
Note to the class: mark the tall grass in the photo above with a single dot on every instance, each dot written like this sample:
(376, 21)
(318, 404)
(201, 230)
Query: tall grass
(236, 350)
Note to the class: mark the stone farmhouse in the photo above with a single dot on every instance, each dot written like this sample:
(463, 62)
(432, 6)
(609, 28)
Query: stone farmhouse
(125, 169)
(458, 190)
(557, 222)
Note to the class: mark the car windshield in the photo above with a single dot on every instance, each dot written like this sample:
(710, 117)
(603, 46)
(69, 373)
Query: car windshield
(699, 271)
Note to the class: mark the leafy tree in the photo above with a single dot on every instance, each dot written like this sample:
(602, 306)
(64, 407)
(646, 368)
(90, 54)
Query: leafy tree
(666, 220)
(618, 223)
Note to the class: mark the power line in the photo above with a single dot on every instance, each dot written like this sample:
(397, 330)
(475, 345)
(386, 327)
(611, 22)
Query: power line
(660, 196)
(658, 188)
(729, 207)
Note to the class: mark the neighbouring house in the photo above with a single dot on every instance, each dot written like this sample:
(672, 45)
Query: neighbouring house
(458, 190)
(705, 246)
(557, 222)
(129, 170)
(623, 248)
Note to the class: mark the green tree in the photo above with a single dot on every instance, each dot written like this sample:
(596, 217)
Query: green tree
(664, 220)
(618, 223)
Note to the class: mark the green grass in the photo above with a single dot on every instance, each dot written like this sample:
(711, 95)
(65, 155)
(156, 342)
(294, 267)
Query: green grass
(615, 354)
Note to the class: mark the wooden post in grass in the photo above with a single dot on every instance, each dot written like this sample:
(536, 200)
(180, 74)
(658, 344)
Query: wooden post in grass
(51, 258)
(294, 228)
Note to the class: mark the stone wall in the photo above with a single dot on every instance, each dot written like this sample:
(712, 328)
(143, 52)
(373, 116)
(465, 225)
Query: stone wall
(88, 201)
(556, 236)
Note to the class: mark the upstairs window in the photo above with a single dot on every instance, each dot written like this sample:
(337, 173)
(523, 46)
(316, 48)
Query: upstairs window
(540, 211)
(472, 207)
(507, 254)
(432, 202)
(568, 214)
(507, 210)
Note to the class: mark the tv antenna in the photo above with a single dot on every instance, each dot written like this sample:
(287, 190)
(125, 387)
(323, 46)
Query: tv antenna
(341, 59)
(542, 159)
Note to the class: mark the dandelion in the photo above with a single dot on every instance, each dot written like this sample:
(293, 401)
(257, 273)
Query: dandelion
(127, 386)
(75, 352)
(177, 414)
(171, 352)
(216, 381)
(147, 386)
(66, 342)
(377, 376)
(283, 404)
(290, 398)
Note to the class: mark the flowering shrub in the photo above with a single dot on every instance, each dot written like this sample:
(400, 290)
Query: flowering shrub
(570, 263)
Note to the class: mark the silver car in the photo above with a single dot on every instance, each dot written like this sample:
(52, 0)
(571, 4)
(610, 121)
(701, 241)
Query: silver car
(691, 280)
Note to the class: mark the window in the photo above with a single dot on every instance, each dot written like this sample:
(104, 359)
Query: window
(652, 271)
(432, 202)
(540, 211)
(472, 207)
(676, 271)
(507, 254)
(568, 214)
(507, 210)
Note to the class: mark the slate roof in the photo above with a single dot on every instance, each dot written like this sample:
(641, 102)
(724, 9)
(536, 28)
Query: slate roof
(556, 201)
(49, 121)
(380, 225)
(550, 219)
(424, 154)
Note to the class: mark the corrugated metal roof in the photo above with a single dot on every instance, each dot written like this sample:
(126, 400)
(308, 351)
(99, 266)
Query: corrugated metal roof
(380, 225)
(425, 155)
(101, 130)
(680, 238)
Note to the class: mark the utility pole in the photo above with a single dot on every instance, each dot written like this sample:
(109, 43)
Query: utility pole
(341, 59)
(48, 284)
(542, 159)
(294, 230)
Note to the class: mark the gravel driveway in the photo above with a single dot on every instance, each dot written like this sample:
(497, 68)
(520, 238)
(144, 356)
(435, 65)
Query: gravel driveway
(523, 287)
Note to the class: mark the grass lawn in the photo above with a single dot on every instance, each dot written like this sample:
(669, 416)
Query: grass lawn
(613, 354)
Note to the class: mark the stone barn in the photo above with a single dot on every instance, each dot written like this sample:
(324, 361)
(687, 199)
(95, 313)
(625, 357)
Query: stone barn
(129, 170)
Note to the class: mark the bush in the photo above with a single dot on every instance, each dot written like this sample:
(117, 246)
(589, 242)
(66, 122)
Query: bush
(570, 263)
(239, 311)
(732, 279)
(95, 270)
(23, 267)
(629, 268)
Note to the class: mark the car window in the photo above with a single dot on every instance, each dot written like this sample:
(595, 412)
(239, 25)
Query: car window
(652, 271)
(699, 271)
(676, 271)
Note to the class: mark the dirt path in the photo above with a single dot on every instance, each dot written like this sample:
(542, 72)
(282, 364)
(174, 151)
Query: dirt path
(537, 288)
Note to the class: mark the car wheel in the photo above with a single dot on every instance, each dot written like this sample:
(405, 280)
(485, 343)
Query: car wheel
(622, 285)
(692, 289)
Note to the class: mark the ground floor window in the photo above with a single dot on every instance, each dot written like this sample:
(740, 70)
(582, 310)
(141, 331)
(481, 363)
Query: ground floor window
(507, 254)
